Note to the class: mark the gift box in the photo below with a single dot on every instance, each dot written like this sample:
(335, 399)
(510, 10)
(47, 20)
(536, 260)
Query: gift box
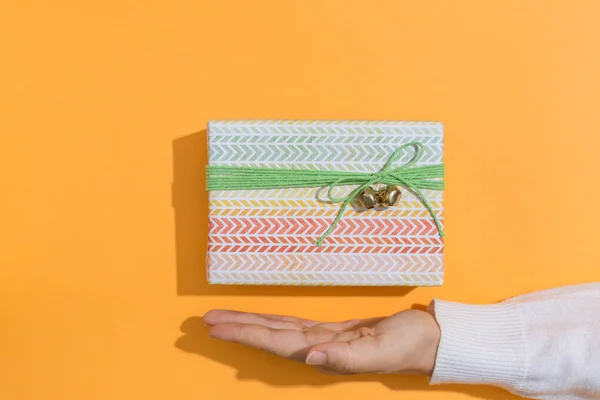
(267, 236)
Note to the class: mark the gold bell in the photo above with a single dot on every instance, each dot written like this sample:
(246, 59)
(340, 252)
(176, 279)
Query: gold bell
(390, 196)
(368, 198)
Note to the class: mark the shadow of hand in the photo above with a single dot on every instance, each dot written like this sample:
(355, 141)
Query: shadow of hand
(274, 371)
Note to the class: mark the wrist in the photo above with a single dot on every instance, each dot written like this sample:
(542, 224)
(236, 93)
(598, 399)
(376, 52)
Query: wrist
(432, 343)
(425, 354)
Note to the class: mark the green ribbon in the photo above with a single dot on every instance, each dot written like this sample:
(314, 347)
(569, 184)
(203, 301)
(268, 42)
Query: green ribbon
(407, 175)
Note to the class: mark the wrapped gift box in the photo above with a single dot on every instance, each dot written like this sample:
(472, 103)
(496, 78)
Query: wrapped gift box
(266, 237)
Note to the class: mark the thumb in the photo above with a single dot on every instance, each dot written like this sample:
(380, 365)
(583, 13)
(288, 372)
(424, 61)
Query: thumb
(355, 356)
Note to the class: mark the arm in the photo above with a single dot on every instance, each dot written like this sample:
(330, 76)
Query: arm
(544, 345)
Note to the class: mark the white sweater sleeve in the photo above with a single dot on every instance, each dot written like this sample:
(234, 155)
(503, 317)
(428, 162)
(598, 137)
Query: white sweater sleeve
(542, 345)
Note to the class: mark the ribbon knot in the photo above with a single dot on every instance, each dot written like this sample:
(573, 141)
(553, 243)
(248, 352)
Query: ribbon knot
(413, 178)
(379, 175)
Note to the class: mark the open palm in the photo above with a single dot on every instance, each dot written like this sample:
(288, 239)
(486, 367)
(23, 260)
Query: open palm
(405, 342)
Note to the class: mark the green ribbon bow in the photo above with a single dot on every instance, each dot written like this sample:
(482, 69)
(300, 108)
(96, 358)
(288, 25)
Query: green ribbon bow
(407, 175)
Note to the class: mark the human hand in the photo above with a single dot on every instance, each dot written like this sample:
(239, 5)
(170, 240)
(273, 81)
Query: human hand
(406, 342)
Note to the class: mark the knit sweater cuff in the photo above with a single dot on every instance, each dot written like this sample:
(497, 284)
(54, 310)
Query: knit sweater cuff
(480, 344)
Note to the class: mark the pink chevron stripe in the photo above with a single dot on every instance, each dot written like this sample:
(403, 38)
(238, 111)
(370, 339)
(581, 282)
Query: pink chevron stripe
(313, 226)
(332, 240)
(398, 249)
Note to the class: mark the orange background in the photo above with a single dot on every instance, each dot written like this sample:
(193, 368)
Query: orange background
(103, 111)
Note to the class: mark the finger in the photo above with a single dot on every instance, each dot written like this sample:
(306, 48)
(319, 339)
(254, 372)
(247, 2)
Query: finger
(229, 317)
(352, 357)
(308, 323)
(351, 324)
(216, 317)
(284, 343)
